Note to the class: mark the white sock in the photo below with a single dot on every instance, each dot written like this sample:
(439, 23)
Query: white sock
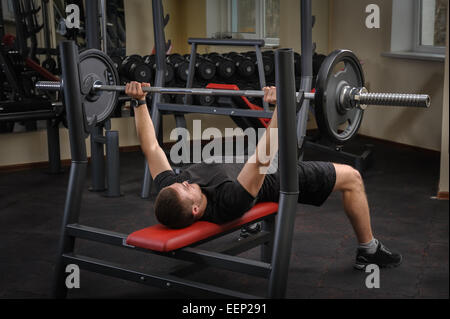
(370, 247)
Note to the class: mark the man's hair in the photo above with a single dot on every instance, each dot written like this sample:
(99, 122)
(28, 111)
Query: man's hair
(171, 211)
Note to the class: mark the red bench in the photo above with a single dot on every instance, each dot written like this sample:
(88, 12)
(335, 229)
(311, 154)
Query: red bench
(162, 239)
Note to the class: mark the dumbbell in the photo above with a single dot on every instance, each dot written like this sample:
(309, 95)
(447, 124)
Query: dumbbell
(184, 99)
(117, 60)
(134, 69)
(317, 62)
(180, 65)
(267, 60)
(244, 66)
(205, 69)
(297, 64)
(150, 61)
(50, 65)
(225, 67)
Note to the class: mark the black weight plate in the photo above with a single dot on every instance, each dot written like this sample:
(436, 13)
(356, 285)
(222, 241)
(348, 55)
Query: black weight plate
(206, 70)
(269, 66)
(97, 63)
(170, 74)
(50, 65)
(142, 73)
(338, 124)
(226, 68)
(182, 71)
(246, 67)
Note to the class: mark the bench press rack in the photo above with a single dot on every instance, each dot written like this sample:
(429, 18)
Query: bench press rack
(275, 239)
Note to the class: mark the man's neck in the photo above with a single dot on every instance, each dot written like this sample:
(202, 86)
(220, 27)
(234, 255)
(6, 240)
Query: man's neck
(203, 206)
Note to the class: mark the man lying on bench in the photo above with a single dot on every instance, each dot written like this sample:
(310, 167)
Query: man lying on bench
(211, 192)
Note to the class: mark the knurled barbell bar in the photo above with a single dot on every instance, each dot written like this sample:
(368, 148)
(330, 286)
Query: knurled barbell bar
(339, 100)
(349, 97)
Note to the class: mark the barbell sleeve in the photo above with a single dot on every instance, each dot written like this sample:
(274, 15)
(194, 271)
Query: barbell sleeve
(48, 86)
(361, 98)
(395, 99)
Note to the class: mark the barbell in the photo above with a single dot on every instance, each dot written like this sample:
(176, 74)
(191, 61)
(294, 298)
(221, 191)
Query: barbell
(339, 99)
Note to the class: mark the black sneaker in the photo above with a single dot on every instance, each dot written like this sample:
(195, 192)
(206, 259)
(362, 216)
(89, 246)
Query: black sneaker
(383, 258)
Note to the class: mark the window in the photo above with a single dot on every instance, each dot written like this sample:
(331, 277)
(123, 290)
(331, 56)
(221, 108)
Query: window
(8, 12)
(419, 29)
(247, 19)
(431, 23)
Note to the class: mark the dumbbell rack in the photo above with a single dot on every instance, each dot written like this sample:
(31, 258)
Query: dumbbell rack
(257, 44)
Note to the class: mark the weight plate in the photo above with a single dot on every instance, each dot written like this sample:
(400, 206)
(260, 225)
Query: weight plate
(50, 65)
(142, 73)
(335, 122)
(96, 62)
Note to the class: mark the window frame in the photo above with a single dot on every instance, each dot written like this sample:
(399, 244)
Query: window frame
(260, 25)
(405, 34)
(8, 12)
(417, 36)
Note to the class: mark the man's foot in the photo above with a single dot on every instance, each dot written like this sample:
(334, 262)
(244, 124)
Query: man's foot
(382, 257)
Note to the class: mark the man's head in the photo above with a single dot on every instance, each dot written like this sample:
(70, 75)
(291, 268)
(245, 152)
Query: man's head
(179, 205)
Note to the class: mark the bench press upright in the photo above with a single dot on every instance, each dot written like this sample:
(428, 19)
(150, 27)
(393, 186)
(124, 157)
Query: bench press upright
(280, 240)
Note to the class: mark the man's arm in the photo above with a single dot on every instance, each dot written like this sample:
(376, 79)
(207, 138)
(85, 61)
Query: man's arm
(156, 158)
(253, 173)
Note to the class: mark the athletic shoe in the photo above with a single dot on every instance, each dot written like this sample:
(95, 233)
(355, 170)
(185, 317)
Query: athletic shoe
(382, 257)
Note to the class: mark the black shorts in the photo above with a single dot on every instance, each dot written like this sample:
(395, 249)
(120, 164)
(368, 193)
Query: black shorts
(316, 182)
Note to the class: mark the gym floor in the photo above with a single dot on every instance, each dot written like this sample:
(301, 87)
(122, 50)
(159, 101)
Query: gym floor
(400, 185)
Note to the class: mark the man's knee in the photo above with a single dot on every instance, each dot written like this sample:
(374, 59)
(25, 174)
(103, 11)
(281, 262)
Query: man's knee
(348, 178)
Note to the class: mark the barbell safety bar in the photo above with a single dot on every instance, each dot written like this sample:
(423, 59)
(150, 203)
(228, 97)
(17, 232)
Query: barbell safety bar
(350, 97)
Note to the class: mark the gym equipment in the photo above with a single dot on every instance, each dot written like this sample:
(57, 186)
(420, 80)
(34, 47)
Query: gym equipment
(225, 66)
(180, 66)
(340, 97)
(318, 60)
(244, 65)
(298, 64)
(340, 115)
(50, 65)
(134, 69)
(274, 244)
(205, 68)
(94, 65)
(268, 62)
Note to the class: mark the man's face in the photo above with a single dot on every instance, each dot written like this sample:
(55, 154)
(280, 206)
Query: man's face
(188, 193)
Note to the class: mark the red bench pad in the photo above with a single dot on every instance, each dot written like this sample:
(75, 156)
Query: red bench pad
(162, 239)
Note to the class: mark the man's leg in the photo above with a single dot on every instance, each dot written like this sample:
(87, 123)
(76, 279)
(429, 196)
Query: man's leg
(350, 183)
(370, 250)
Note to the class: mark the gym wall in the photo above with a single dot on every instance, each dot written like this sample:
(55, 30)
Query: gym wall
(411, 126)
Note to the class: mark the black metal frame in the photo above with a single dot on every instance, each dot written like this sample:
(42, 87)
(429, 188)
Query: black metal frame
(104, 178)
(275, 245)
(275, 239)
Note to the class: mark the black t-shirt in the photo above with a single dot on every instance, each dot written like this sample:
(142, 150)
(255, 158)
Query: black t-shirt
(227, 199)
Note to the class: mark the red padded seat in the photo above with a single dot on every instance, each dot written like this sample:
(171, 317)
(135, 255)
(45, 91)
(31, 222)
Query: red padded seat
(162, 239)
